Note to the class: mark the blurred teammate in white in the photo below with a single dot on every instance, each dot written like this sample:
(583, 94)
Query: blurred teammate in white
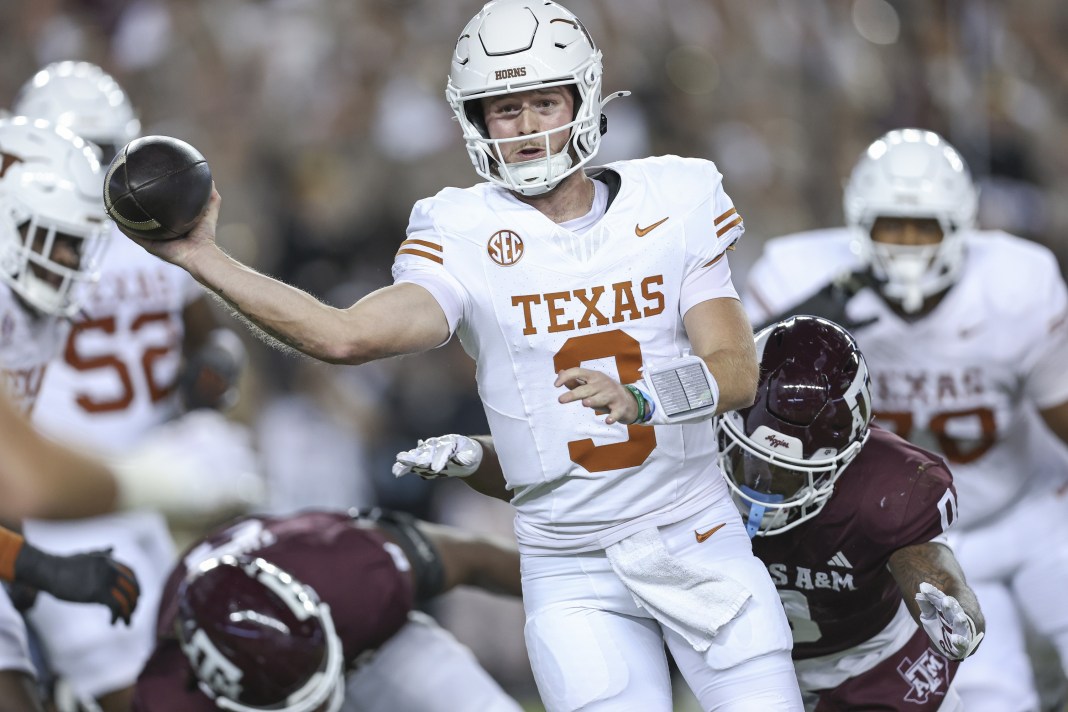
(114, 390)
(52, 233)
(561, 281)
(966, 336)
(52, 230)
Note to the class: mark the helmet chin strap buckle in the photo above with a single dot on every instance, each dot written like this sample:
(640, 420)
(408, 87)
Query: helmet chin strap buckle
(756, 511)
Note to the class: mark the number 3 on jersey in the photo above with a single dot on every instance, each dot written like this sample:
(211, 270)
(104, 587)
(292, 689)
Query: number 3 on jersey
(627, 352)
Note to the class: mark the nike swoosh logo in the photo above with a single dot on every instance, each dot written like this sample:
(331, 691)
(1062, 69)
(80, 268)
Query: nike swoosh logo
(702, 537)
(643, 231)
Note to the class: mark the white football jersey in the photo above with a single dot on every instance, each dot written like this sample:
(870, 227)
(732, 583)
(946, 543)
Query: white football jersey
(529, 298)
(28, 343)
(116, 376)
(964, 380)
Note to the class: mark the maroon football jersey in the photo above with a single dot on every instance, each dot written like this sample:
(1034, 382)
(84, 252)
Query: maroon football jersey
(348, 566)
(831, 571)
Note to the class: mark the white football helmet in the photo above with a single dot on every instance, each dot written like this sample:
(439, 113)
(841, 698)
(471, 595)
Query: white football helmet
(49, 202)
(85, 99)
(911, 173)
(518, 45)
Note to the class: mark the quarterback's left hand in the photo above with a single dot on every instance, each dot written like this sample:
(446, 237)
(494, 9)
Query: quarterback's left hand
(92, 577)
(443, 456)
(948, 626)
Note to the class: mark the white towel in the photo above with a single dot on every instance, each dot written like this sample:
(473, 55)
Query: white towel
(691, 600)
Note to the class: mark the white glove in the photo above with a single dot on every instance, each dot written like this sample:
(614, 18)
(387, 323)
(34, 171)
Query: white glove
(198, 466)
(444, 456)
(947, 625)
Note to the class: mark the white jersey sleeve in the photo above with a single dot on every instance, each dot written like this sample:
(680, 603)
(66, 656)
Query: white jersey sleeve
(421, 260)
(793, 268)
(1046, 368)
(712, 229)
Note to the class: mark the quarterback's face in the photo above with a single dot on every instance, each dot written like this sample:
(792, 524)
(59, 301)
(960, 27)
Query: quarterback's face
(910, 232)
(527, 113)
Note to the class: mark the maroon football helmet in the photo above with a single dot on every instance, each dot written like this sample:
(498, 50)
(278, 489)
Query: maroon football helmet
(258, 639)
(782, 455)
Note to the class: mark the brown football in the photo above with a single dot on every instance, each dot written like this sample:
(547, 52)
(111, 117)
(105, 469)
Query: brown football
(157, 187)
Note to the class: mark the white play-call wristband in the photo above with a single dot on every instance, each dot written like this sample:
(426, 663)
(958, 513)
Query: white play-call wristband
(682, 390)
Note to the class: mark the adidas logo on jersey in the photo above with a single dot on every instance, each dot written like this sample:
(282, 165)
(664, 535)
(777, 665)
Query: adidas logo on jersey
(840, 561)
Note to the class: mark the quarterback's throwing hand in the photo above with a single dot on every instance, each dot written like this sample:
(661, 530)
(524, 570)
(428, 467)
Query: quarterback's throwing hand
(92, 577)
(444, 456)
(949, 627)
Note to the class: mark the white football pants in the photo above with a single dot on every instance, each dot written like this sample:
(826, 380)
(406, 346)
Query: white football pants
(1018, 568)
(593, 648)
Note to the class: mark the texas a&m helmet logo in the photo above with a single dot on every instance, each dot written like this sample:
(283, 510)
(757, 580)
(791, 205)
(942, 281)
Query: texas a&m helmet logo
(505, 247)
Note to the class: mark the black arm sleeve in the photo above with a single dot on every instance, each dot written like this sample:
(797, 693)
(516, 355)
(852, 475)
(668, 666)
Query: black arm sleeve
(830, 301)
(421, 552)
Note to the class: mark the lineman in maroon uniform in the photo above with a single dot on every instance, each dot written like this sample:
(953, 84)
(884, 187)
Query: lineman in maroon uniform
(863, 560)
(314, 612)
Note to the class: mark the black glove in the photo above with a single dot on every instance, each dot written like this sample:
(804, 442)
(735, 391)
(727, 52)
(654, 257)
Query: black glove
(210, 377)
(830, 301)
(22, 595)
(92, 577)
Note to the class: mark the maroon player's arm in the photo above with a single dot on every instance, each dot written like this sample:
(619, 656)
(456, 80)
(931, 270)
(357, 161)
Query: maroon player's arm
(473, 559)
(935, 564)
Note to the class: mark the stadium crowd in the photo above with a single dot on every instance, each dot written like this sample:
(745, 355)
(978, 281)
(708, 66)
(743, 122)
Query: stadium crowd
(324, 121)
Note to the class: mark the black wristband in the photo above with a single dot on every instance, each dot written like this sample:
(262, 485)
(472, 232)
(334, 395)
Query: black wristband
(31, 566)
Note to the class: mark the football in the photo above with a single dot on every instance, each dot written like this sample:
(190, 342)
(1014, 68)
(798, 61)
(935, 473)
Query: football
(157, 187)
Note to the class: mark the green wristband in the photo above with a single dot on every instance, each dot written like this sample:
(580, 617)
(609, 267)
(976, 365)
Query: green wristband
(640, 397)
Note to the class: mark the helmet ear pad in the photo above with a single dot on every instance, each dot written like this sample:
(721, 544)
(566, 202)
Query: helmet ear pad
(590, 140)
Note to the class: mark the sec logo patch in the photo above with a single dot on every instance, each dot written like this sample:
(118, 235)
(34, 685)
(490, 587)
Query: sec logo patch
(505, 247)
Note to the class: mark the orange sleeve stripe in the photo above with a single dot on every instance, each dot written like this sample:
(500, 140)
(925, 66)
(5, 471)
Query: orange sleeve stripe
(713, 261)
(729, 226)
(420, 253)
(424, 243)
(10, 546)
(724, 216)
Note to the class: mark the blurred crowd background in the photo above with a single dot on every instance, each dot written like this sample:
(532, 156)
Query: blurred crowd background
(324, 120)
